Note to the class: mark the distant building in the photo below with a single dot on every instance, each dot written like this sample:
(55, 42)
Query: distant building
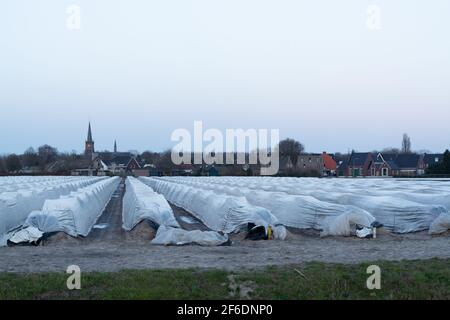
(357, 165)
(406, 164)
(89, 148)
(123, 165)
(329, 165)
(382, 165)
(310, 164)
(106, 163)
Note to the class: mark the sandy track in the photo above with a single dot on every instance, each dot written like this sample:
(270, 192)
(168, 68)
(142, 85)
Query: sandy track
(116, 256)
(111, 219)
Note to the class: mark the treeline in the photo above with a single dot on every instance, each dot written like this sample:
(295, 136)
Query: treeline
(442, 167)
(47, 159)
(34, 160)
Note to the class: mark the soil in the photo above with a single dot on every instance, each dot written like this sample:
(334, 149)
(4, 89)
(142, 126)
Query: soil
(297, 249)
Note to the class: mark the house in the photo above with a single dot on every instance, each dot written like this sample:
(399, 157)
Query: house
(124, 164)
(310, 164)
(86, 167)
(329, 165)
(357, 165)
(406, 164)
(382, 165)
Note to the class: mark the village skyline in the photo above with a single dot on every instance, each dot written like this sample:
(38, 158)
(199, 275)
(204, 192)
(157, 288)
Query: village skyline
(114, 142)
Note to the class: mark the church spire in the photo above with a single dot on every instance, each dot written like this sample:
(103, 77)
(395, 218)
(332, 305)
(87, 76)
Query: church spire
(89, 149)
(89, 137)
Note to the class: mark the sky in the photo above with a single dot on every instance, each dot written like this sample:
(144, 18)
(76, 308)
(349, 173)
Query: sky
(335, 75)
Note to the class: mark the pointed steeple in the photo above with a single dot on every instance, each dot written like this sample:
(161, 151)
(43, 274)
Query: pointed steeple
(89, 148)
(115, 146)
(89, 137)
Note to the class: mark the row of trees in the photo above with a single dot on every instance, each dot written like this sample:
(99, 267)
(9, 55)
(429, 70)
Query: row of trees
(442, 167)
(45, 155)
(31, 158)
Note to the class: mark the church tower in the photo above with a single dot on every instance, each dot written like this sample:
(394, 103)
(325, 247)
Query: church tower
(89, 147)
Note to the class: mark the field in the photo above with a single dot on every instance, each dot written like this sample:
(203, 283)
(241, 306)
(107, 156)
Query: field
(190, 233)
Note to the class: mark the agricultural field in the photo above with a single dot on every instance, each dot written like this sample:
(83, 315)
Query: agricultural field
(208, 223)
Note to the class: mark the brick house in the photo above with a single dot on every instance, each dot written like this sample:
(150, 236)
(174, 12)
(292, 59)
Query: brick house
(382, 165)
(357, 165)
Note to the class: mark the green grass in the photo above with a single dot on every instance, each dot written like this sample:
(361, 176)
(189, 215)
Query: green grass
(428, 279)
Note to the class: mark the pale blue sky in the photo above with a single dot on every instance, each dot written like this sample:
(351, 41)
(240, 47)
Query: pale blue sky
(140, 69)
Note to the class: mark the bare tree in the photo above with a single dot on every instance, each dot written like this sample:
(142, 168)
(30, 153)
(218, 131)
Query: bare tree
(47, 154)
(391, 150)
(406, 144)
(30, 158)
(292, 149)
(13, 164)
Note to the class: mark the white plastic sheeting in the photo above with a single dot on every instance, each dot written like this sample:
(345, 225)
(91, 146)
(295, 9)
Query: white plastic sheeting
(297, 211)
(141, 202)
(28, 235)
(174, 236)
(345, 224)
(21, 195)
(76, 213)
(219, 212)
(400, 205)
(441, 224)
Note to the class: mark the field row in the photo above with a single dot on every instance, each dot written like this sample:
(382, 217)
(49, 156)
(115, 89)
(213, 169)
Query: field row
(261, 207)
(328, 205)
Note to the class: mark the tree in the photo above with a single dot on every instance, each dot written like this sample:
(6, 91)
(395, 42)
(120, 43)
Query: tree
(442, 167)
(150, 157)
(391, 151)
(291, 148)
(2, 165)
(165, 161)
(47, 154)
(446, 162)
(406, 144)
(13, 163)
(30, 158)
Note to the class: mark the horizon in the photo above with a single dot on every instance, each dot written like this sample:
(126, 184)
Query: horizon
(119, 149)
(316, 71)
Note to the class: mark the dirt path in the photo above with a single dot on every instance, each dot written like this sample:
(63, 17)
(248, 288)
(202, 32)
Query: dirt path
(109, 226)
(116, 256)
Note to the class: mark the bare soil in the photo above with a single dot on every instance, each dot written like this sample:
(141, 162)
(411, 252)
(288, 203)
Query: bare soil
(297, 249)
